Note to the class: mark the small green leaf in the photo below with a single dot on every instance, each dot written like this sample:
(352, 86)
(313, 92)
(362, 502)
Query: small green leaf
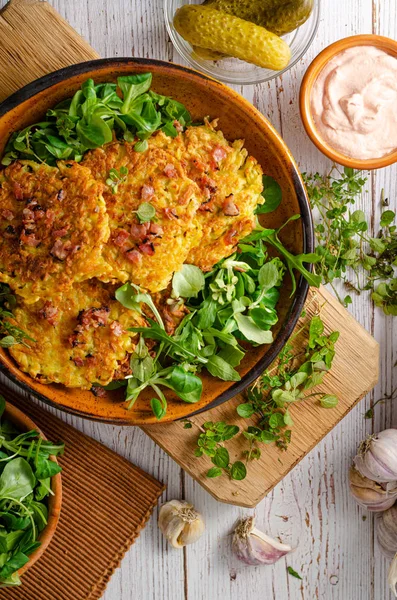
(221, 369)
(387, 218)
(292, 572)
(251, 331)
(158, 410)
(238, 471)
(329, 401)
(272, 195)
(146, 212)
(214, 472)
(141, 146)
(221, 458)
(188, 282)
(245, 410)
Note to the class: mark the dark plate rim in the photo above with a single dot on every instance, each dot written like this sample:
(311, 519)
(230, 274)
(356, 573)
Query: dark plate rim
(41, 84)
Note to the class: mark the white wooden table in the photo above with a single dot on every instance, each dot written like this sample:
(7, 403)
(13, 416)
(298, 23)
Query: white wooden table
(336, 552)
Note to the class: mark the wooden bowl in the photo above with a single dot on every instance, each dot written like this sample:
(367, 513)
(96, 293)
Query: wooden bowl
(24, 423)
(237, 119)
(383, 43)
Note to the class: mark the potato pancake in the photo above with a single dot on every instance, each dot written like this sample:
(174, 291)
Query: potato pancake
(147, 252)
(53, 225)
(82, 337)
(231, 183)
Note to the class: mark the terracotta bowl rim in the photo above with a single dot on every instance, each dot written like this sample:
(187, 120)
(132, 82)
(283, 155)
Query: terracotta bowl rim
(384, 43)
(56, 77)
(19, 418)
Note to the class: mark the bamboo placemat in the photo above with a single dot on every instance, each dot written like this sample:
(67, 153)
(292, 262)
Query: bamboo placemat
(106, 502)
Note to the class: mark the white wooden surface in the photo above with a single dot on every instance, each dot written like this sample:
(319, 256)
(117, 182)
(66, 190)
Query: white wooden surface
(336, 553)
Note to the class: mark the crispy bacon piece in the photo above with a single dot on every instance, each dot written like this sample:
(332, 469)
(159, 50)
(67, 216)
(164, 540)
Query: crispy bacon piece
(29, 239)
(134, 256)
(147, 192)
(61, 250)
(27, 215)
(120, 237)
(230, 209)
(170, 171)
(61, 195)
(156, 230)
(8, 214)
(93, 317)
(17, 189)
(98, 391)
(49, 312)
(49, 217)
(147, 249)
(139, 231)
(58, 233)
(79, 362)
(229, 237)
(170, 213)
(116, 328)
(219, 153)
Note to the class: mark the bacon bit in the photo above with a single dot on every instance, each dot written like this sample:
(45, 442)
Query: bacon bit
(147, 249)
(156, 230)
(139, 231)
(27, 215)
(9, 232)
(17, 189)
(178, 126)
(61, 250)
(229, 241)
(134, 256)
(219, 153)
(98, 391)
(147, 192)
(207, 206)
(199, 165)
(8, 214)
(170, 171)
(49, 312)
(79, 362)
(116, 328)
(230, 209)
(61, 195)
(29, 239)
(73, 339)
(93, 317)
(58, 233)
(120, 237)
(49, 218)
(170, 213)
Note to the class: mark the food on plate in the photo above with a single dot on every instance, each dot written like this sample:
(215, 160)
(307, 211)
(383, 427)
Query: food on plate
(53, 223)
(278, 16)
(25, 487)
(354, 102)
(81, 337)
(212, 29)
(151, 215)
(132, 255)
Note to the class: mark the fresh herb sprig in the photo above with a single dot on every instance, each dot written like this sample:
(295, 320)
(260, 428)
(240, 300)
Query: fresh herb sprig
(25, 484)
(345, 250)
(10, 334)
(211, 443)
(94, 116)
(269, 399)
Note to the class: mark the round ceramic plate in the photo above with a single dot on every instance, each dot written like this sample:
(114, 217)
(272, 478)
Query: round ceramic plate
(202, 96)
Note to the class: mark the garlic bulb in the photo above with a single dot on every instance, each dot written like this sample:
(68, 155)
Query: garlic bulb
(386, 531)
(180, 523)
(369, 494)
(377, 457)
(254, 547)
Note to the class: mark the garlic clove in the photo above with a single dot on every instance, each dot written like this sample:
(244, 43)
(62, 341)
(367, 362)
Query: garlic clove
(392, 576)
(386, 531)
(180, 523)
(369, 494)
(255, 547)
(377, 457)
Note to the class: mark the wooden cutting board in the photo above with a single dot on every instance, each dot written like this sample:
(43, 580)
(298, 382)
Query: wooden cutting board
(35, 40)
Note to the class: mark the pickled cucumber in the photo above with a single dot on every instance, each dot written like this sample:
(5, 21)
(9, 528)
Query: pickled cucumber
(209, 28)
(278, 16)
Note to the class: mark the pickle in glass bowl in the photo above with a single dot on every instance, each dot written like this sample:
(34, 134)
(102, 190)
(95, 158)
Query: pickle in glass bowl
(207, 27)
(278, 16)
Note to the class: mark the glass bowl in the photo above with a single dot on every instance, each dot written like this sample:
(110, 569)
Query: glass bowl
(233, 70)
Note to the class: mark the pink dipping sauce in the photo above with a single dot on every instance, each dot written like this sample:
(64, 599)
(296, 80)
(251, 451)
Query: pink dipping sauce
(354, 102)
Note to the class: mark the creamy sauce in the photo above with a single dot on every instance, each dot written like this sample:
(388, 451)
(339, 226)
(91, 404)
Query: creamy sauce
(354, 102)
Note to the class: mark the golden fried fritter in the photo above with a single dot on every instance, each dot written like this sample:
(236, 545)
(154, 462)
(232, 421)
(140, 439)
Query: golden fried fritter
(147, 253)
(231, 183)
(82, 338)
(53, 224)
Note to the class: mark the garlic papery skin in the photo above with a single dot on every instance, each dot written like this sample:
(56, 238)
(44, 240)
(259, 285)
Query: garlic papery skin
(255, 547)
(180, 523)
(392, 576)
(369, 494)
(377, 457)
